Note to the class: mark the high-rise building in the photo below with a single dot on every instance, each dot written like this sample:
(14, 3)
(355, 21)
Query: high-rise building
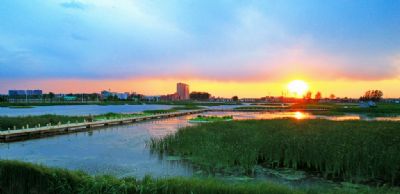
(183, 91)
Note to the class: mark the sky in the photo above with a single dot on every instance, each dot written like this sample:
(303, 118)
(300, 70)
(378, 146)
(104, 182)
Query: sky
(226, 47)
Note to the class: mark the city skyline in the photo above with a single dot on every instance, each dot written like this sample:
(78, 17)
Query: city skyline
(249, 48)
(162, 87)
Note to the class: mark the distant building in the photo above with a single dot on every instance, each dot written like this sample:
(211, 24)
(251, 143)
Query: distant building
(367, 104)
(25, 92)
(152, 98)
(34, 92)
(170, 97)
(70, 98)
(121, 96)
(182, 90)
(220, 99)
(250, 99)
(105, 94)
(16, 92)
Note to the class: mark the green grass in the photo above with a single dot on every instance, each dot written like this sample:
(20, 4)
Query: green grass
(32, 121)
(201, 118)
(256, 108)
(42, 120)
(335, 109)
(16, 107)
(382, 109)
(356, 151)
(187, 107)
(159, 111)
(24, 178)
(18, 177)
(111, 115)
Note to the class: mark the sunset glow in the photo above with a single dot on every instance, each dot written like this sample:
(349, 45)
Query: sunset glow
(227, 48)
(298, 88)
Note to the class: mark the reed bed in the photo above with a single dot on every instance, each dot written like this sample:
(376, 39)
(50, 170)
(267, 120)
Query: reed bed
(24, 122)
(25, 178)
(356, 151)
(34, 121)
(19, 177)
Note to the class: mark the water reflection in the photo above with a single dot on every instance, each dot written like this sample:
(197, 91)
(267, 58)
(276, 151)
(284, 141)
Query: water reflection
(122, 151)
(79, 109)
(299, 115)
(118, 150)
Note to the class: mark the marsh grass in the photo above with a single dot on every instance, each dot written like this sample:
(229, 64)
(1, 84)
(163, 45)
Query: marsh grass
(356, 151)
(32, 121)
(43, 120)
(19, 177)
(25, 178)
(203, 118)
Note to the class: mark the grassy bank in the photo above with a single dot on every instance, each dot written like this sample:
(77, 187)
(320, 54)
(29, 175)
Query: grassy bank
(32, 121)
(43, 120)
(332, 109)
(382, 109)
(356, 151)
(24, 178)
(202, 118)
(18, 177)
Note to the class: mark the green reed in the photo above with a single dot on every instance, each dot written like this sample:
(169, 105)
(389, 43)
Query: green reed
(24, 178)
(357, 151)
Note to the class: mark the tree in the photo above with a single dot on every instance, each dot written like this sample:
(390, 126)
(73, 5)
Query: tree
(235, 98)
(51, 96)
(332, 96)
(372, 95)
(3, 99)
(318, 96)
(199, 96)
(308, 96)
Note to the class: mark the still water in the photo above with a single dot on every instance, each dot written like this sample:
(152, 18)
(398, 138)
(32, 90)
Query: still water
(118, 150)
(79, 109)
(122, 151)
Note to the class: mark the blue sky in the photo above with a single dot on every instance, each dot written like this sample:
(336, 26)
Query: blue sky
(212, 40)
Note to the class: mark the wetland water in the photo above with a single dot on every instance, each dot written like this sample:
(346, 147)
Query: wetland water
(73, 110)
(121, 150)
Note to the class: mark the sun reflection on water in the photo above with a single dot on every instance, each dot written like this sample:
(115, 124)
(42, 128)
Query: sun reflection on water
(299, 115)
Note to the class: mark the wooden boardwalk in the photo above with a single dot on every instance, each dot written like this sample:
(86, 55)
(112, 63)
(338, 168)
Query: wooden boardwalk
(23, 134)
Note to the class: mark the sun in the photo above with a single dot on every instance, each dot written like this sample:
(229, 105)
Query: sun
(298, 88)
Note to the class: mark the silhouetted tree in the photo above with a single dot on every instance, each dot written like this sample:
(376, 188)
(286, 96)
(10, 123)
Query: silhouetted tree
(51, 96)
(308, 96)
(318, 96)
(199, 96)
(332, 96)
(3, 99)
(373, 95)
(235, 98)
